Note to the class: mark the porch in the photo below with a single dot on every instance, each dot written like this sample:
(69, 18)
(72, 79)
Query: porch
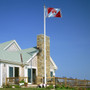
(50, 81)
(37, 81)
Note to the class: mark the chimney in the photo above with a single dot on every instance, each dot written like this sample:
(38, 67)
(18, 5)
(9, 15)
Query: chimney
(40, 56)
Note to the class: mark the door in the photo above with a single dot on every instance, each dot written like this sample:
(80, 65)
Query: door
(16, 75)
(33, 76)
(16, 71)
(29, 75)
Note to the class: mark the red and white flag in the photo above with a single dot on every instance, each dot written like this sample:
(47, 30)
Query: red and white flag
(53, 12)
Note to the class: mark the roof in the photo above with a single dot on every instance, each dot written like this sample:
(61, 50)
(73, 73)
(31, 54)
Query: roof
(14, 56)
(3, 45)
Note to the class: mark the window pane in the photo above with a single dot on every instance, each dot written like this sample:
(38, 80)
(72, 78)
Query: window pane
(10, 71)
(51, 74)
(29, 75)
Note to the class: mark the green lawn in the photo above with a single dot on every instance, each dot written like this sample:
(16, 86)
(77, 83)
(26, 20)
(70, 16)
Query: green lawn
(20, 89)
(38, 89)
(30, 89)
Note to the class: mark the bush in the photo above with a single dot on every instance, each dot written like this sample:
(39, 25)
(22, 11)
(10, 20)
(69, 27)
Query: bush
(25, 83)
(50, 87)
(57, 86)
(4, 86)
(8, 86)
(61, 87)
(22, 81)
(17, 86)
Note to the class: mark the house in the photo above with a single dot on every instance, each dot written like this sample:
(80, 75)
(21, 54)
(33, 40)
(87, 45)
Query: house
(25, 63)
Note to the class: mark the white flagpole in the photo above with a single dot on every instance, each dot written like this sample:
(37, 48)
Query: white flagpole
(44, 45)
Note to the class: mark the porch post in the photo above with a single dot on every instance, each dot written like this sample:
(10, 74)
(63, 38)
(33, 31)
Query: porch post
(31, 72)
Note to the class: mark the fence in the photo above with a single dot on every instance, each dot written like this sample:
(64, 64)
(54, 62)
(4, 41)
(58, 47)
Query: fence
(51, 80)
(64, 81)
(71, 82)
(16, 80)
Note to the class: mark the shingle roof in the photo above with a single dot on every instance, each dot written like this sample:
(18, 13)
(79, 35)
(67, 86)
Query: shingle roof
(14, 56)
(3, 45)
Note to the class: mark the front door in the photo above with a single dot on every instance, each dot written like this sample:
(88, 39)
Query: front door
(16, 75)
(29, 75)
(16, 71)
(33, 75)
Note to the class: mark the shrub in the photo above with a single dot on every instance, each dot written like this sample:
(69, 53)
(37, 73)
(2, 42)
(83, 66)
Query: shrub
(22, 81)
(4, 86)
(50, 87)
(8, 86)
(57, 86)
(25, 83)
(17, 86)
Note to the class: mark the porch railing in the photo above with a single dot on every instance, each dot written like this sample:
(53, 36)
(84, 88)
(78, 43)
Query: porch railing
(16, 80)
(64, 81)
(50, 80)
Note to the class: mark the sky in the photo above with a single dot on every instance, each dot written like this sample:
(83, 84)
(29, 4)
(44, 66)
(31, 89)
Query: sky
(23, 20)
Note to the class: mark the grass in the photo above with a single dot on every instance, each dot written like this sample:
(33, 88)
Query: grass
(37, 89)
(23, 89)
(31, 89)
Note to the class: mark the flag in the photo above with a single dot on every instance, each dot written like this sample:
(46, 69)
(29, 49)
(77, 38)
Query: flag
(53, 12)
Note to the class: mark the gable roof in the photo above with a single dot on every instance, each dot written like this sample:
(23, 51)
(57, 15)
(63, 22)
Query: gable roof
(14, 56)
(5, 45)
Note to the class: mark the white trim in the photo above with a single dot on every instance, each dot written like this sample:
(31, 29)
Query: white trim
(31, 67)
(13, 69)
(52, 70)
(53, 63)
(26, 71)
(17, 44)
(1, 74)
(11, 44)
(31, 57)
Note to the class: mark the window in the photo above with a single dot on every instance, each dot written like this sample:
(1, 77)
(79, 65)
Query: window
(29, 75)
(51, 74)
(10, 71)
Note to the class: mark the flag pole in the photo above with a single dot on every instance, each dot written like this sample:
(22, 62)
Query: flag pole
(44, 46)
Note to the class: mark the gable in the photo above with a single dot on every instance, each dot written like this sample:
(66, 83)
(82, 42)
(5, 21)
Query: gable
(52, 64)
(13, 46)
(3, 45)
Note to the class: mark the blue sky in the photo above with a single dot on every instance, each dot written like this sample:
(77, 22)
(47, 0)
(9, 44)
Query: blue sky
(22, 20)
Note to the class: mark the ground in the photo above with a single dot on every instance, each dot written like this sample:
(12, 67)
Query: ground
(29, 89)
